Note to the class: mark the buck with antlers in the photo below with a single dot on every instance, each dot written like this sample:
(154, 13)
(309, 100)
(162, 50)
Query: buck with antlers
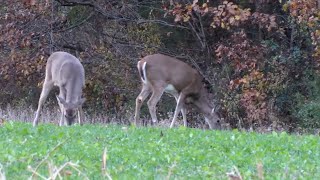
(160, 73)
(65, 71)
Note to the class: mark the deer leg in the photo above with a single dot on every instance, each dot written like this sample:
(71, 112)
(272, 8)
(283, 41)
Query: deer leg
(141, 97)
(183, 110)
(62, 94)
(152, 103)
(184, 115)
(179, 107)
(47, 86)
(61, 123)
(62, 114)
(80, 115)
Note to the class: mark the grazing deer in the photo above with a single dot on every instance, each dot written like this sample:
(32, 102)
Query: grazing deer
(65, 71)
(160, 73)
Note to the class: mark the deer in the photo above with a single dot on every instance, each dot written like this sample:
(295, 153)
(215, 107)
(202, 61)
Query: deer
(65, 71)
(161, 73)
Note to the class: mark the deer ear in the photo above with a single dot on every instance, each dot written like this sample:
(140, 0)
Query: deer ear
(81, 101)
(215, 108)
(61, 100)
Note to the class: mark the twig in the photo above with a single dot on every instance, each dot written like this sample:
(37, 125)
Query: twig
(47, 156)
(235, 175)
(104, 164)
(141, 21)
(74, 3)
(199, 69)
(76, 25)
(260, 171)
(51, 29)
(72, 165)
(171, 169)
(197, 35)
(2, 174)
(36, 173)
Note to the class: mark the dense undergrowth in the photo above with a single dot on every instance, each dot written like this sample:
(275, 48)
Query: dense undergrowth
(154, 153)
(258, 59)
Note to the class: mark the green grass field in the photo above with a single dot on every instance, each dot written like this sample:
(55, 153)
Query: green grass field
(154, 153)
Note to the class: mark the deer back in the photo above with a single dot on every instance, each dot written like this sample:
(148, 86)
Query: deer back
(171, 71)
(66, 71)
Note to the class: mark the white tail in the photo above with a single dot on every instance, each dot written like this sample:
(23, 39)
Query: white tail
(160, 73)
(65, 71)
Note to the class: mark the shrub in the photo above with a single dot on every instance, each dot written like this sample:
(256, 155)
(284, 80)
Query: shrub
(309, 114)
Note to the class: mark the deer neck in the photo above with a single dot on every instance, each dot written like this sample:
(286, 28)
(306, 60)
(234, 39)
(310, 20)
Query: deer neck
(74, 92)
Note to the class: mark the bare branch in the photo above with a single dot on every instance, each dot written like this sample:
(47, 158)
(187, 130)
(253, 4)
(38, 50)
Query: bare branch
(76, 25)
(197, 34)
(141, 21)
(93, 4)
(76, 2)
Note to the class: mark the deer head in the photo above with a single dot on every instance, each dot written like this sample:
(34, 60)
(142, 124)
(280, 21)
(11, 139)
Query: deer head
(70, 109)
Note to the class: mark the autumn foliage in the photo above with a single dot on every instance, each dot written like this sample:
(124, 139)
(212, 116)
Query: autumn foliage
(307, 13)
(250, 97)
(259, 59)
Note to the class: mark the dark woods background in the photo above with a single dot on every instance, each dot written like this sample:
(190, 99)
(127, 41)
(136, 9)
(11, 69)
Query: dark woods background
(259, 58)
